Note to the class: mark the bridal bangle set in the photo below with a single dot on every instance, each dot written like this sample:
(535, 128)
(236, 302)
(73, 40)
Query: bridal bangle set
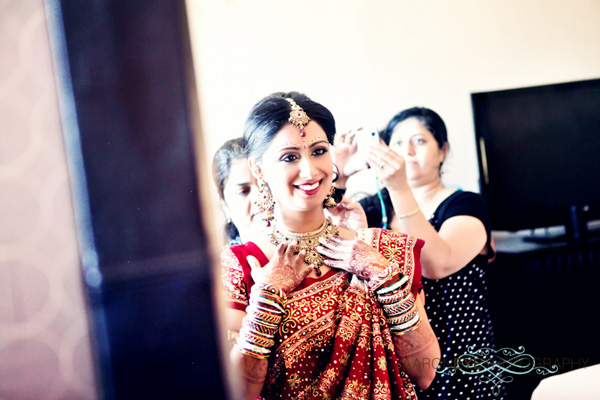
(261, 323)
(398, 303)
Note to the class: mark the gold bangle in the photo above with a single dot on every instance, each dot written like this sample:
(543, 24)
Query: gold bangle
(409, 214)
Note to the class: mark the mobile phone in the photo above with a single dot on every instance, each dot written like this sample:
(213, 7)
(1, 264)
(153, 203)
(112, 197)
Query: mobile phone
(364, 139)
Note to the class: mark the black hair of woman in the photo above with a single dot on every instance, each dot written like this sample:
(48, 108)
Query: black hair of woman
(271, 113)
(221, 168)
(429, 118)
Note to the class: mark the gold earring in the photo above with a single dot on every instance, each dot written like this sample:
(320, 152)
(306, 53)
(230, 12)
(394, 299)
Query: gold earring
(265, 202)
(329, 201)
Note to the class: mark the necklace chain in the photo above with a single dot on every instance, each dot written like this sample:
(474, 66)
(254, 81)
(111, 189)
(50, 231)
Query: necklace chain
(307, 241)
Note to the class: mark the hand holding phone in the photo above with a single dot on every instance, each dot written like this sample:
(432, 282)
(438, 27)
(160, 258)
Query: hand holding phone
(364, 139)
(350, 152)
(367, 137)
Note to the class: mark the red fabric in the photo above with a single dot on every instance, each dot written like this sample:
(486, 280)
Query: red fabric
(417, 285)
(393, 246)
(334, 341)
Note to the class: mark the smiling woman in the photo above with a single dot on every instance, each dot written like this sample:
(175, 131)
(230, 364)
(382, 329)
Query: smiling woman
(301, 174)
(320, 311)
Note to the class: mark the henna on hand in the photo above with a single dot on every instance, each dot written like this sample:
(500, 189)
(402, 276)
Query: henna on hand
(352, 255)
(253, 371)
(284, 272)
(415, 342)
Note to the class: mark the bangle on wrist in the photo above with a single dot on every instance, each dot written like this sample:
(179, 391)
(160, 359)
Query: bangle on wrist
(407, 319)
(409, 214)
(398, 304)
(266, 287)
(393, 286)
(406, 327)
(261, 323)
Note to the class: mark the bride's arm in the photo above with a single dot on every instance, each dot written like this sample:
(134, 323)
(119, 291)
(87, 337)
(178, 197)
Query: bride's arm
(250, 371)
(259, 325)
(419, 350)
(415, 342)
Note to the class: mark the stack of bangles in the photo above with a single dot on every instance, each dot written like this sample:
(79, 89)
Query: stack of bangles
(398, 302)
(261, 323)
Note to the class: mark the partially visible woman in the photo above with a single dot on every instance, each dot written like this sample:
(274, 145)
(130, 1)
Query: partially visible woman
(236, 188)
(455, 227)
(321, 311)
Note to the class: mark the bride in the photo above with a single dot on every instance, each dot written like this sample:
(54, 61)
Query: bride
(315, 310)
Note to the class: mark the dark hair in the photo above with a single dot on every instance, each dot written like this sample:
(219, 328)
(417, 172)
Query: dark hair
(429, 118)
(271, 113)
(221, 168)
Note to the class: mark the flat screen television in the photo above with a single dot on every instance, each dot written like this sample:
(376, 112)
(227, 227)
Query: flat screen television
(539, 155)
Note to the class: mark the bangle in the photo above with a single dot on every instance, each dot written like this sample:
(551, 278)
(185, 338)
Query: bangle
(409, 326)
(409, 214)
(261, 323)
(386, 277)
(401, 307)
(407, 318)
(389, 288)
(265, 287)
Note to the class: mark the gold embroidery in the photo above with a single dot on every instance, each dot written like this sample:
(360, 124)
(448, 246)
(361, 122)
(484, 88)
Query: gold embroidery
(394, 246)
(232, 277)
(335, 341)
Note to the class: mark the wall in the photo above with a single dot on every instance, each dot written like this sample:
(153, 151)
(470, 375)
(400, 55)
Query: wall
(44, 334)
(368, 60)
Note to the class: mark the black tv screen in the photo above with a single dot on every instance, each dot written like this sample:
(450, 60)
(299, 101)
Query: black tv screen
(539, 153)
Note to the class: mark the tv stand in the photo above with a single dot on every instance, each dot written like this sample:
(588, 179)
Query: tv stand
(561, 239)
(575, 231)
(549, 239)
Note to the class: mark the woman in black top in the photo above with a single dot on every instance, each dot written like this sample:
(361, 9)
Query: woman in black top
(455, 227)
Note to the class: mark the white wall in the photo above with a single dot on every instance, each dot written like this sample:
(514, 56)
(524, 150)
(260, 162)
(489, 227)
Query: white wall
(367, 60)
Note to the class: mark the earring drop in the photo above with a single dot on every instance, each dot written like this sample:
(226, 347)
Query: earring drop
(329, 201)
(265, 202)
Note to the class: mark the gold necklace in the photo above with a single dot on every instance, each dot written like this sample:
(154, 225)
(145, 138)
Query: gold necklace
(305, 241)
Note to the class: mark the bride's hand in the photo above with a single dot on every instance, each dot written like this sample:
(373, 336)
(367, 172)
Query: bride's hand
(284, 272)
(352, 255)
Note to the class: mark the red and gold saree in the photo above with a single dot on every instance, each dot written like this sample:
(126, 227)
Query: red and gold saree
(334, 341)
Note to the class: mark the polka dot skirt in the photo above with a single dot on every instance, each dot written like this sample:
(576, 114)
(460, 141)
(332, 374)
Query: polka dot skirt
(458, 310)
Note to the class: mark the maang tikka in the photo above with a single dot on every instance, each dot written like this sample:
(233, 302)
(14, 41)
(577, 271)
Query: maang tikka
(298, 117)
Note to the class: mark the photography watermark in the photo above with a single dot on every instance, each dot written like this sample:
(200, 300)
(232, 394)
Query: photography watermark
(499, 366)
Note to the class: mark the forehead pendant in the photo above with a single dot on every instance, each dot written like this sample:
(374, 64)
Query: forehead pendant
(298, 117)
